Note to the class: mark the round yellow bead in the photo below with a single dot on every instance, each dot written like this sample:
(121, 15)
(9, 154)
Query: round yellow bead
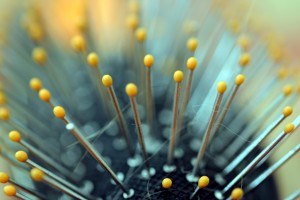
(243, 41)
(93, 59)
(39, 55)
(35, 32)
(14, 136)
(37, 174)
(178, 76)
(4, 114)
(10, 190)
(282, 73)
(166, 183)
(2, 98)
(45, 95)
(4, 178)
(107, 80)
(203, 181)
(59, 112)
(192, 44)
(191, 63)
(131, 90)
(287, 111)
(148, 60)
(21, 156)
(289, 128)
(222, 86)
(287, 90)
(237, 194)
(239, 79)
(132, 21)
(78, 43)
(244, 60)
(141, 34)
(35, 84)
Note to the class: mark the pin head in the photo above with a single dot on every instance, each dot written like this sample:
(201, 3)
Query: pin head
(131, 90)
(244, 60)
(107, 80)
(4, 178)
(93, 59)
(59, 112)
(191, 63)
(37, 174)
(35, 84)
(192, 44)
(10, 190)
(21, 156)
(132, 21)
(287, 111)
(287, 90)
(39, 55)
(237, 194)
(178, 76)
(166, 183)
(4, 114)
(45, 95)
(239, 79)
(282, 73)
(289, 128)
(222, 86)
(141, 34)
(78, 43)
(243, 41)
(148, 60)
(14, 136)
(203, 181)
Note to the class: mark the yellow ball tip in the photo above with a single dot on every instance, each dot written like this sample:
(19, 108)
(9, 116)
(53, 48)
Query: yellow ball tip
(14, 136)
(237, 194)
(191, 63)
(59, 112)
(93, 59)
(35, 84)
(107, 80)
(45, 95)
(148, 60)
(37, 174)
(39, 55)
(166, 183)
(131, 90)
(78, 43)
(287, 90)
(203, 181)
(4, 178)
(239, 80)
(21, 156)
(289, 128)
(140, 34)
(282, 73)
(132, 21)
(192, 44)
(243, 42)
(222, 86)
(4, 114)
(244, 60)
(287, 111)
(10, 190)
(178, 76)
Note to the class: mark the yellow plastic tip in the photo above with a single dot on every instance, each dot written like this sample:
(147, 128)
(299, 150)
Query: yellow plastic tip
(140, 34)
(78, 43)
(93, 59)
(2, 98)
(107, 80)
(166, 183)
(203, 181)
(287, 90)
(4, 114)
(132, 21)
(148, 60)
(239, 79)
(81, 23)
(178, 76)
(191, 63)
(37, 174)
(289, 128)
(131, 90)
(4, 178)
(282, 73)
(244, 60)
(237, 194)
(192, 44)
(10, 190)
(45, 95)
(222, 86)
(243, 42)
(21, 156)
(35, 84)
(59, 112)
(14, 136)
(35, 32)
(287, 111)
(39, 55)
